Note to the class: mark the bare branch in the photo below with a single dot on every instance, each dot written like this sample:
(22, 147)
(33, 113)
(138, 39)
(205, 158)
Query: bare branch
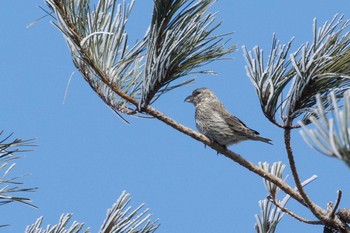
(301, 219)
(332, 210)
(316, 210)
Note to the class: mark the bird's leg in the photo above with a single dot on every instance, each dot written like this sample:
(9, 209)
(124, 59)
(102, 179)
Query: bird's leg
(224, 146)
(213, 141)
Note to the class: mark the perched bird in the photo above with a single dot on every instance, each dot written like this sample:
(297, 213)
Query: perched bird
(215, 122)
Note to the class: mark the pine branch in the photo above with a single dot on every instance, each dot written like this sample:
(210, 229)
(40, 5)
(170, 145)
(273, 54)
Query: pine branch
(271, 216)
(10, 186)
(320, 67)
(119, 220)
(180, 41)
(331, 135)
(276, 169)
(98, 43)
(60, 227)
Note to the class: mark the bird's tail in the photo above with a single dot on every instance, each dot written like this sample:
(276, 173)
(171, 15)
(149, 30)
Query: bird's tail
(259, 138)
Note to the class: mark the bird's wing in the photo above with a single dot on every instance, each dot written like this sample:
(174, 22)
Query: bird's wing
(236, 124)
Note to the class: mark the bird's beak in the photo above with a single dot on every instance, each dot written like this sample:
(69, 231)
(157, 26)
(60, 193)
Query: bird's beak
(189, 99)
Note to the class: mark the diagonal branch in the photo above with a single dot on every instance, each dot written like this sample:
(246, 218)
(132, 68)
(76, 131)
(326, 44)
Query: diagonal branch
(294, 215)
(226, 152)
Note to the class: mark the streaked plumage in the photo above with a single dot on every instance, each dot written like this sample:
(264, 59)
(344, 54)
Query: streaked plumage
(215, 122)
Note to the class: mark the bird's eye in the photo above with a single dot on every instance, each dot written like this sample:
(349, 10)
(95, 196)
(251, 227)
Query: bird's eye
(196, 93)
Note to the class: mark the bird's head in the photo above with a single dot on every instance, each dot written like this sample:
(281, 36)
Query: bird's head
(199, 95)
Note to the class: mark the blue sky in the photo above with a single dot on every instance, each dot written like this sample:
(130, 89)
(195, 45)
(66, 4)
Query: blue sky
(86, 156)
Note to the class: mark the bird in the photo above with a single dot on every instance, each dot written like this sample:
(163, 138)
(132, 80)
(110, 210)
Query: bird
(215, 122)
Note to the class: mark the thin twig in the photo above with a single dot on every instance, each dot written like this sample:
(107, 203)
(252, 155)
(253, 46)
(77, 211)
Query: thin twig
(304, 183)
(339, 195)
(294, 215)
(316, 210)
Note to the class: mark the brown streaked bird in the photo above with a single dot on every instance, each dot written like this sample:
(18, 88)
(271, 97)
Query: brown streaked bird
(215, 122)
